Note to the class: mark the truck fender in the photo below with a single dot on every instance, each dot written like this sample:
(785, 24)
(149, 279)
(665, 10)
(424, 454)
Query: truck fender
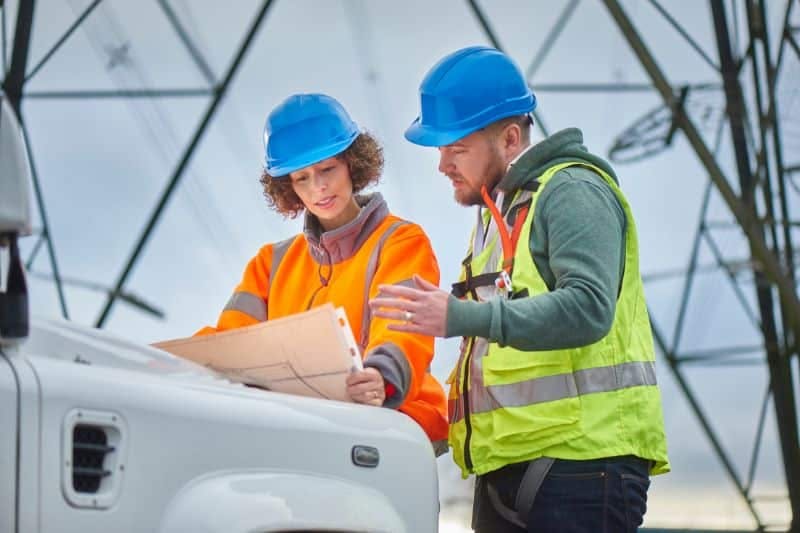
(247, 501)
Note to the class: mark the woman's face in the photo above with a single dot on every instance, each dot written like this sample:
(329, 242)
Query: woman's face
(326, 190)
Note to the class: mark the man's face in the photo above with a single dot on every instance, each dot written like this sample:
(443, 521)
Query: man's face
(471, 162)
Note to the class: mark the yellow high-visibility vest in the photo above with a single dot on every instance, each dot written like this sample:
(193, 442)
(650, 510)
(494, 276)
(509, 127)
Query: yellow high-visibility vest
(508, 405)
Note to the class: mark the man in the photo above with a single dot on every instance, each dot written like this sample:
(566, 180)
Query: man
(553, 402)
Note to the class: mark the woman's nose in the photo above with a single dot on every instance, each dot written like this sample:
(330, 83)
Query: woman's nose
(320, 182)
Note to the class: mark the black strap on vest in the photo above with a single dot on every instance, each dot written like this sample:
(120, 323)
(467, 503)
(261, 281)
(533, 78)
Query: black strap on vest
(462, 288)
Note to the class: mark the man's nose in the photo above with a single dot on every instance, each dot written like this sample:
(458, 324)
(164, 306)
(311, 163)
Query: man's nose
(445, 162)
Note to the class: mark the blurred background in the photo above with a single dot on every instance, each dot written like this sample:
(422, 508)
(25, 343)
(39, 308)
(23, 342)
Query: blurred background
(144, 122)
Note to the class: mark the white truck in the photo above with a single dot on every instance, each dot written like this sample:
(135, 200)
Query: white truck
(100, 434)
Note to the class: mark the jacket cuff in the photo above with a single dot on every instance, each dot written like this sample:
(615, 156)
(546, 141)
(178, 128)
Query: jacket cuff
(391, 362)
(468, 318)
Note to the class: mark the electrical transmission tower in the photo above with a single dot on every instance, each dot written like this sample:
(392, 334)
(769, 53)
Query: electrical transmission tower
(742, 125)
(758, 193)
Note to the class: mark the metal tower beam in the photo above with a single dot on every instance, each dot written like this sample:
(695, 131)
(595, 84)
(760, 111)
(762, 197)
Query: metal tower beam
(770, 274)
(219, 93)
(12, 86)
(750, 226)
(779, 366)
(63, 39)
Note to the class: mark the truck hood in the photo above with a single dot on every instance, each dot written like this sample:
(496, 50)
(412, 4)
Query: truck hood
(70, 342)
(189, 439)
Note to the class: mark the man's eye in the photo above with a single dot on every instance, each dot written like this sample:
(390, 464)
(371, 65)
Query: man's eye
(327, 169)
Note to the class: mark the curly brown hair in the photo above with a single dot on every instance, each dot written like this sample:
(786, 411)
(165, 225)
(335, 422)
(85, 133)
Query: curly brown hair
(364, 159)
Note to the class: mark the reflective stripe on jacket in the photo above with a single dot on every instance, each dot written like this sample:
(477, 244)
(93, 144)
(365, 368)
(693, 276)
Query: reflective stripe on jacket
(508, 406)
(345, 267)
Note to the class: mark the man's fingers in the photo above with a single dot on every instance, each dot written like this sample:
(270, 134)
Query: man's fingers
(391, 315)
(399, 291)
(408, 327)
(393, 303)
(383, 313)
(424, 284)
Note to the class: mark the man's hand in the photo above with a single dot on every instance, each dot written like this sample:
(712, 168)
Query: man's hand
(366, 386)
(420, 310)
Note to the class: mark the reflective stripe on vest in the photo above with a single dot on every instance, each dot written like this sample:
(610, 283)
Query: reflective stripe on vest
(249, 304)
(550, 388)
(279, 249)
(372, 267)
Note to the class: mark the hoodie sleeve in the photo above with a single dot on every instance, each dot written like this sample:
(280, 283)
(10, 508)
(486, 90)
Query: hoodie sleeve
(248, 303)
(402, 358)
(577, 243)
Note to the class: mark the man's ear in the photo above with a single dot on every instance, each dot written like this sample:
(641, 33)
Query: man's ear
(511, 139)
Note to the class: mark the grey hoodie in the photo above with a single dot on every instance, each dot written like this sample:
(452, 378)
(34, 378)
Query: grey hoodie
(577, 243)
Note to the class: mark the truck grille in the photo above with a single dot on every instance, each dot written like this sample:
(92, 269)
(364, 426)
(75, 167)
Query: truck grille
(89, 449)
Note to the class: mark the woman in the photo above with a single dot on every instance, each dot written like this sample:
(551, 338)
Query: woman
(316, 163)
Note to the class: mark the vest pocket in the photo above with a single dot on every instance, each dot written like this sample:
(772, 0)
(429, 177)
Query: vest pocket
(509, 365)
(518, 433)
(535, 399)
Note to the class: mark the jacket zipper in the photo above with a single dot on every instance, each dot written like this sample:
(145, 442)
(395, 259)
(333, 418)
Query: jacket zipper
(468, 363)
(467, 423)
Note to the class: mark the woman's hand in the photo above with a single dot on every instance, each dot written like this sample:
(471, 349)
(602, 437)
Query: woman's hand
(366, 386)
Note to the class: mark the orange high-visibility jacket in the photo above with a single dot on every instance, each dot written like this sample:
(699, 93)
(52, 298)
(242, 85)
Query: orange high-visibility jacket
(345, 267)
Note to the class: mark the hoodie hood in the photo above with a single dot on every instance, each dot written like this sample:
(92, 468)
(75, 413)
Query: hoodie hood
(561, 147)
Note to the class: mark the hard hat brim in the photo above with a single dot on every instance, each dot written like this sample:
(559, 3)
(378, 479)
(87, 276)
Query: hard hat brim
(310, 158)
(428, 136)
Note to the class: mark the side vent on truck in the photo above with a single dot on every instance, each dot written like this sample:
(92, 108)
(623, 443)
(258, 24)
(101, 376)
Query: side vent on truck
(89, 450)
(93, 458)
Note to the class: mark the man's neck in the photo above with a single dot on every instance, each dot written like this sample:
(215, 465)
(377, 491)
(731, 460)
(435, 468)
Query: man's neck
(522, 149)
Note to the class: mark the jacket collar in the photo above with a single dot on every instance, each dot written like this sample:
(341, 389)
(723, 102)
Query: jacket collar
(561, 147)
(342, 243)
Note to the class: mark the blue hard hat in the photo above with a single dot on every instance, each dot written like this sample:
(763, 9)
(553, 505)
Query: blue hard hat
(465, 91)
(306, 129)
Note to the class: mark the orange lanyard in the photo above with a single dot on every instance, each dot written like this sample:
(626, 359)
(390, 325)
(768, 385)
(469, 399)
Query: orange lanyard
(509, 242)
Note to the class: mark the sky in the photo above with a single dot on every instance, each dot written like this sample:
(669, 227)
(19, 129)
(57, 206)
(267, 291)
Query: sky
(103, 164)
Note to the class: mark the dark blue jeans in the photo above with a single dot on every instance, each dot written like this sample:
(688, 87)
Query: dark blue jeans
(596, 496)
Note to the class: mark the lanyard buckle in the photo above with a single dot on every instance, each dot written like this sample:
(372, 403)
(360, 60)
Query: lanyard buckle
(503, 281)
